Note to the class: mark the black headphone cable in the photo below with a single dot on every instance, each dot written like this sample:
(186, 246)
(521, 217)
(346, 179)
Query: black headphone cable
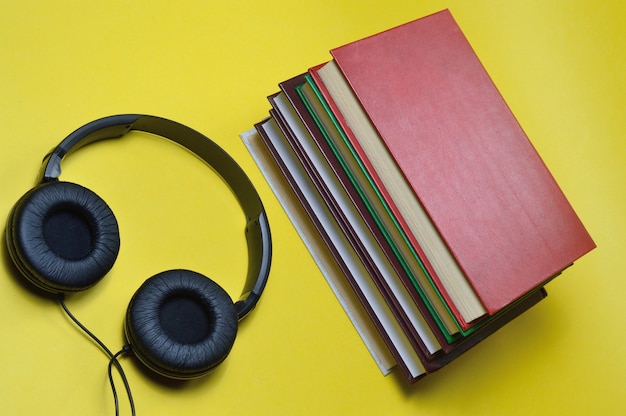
(113, 361)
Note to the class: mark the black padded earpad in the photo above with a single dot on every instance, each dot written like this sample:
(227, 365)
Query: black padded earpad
(181, 324)
(62, 237)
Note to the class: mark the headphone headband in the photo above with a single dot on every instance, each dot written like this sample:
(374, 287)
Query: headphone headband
(257, 229)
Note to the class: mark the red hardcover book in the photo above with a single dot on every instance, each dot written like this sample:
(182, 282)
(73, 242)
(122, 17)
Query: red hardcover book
(496, 207)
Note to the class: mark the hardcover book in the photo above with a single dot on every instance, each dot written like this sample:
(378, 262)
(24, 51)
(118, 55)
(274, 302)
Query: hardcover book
(421, 93)
(427, 208)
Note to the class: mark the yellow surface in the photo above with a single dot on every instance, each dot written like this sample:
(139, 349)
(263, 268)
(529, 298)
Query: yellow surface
(561, 66)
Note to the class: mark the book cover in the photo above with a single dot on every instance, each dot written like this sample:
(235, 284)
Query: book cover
(445, 125)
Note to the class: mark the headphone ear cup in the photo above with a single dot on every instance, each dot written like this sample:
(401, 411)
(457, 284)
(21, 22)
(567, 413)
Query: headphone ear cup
(62, 237)
(181, 324)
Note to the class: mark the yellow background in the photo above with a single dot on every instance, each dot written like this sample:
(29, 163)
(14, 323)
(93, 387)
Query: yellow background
(210, 64)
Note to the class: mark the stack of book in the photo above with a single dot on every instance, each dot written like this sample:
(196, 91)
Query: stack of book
(418, 193)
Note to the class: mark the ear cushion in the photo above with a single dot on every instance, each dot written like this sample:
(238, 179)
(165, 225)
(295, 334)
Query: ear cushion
(181, 324)
(62, 237)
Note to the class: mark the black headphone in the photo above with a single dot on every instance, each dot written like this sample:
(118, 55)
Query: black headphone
(64, 238)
